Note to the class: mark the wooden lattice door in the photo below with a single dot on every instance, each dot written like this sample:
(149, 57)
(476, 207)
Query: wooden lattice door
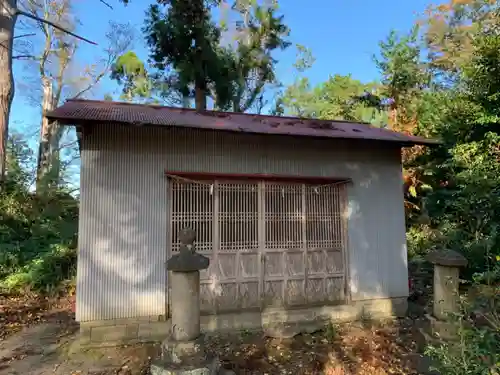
(269, 244)
(304, 245)
(284, 268)
(237, 265)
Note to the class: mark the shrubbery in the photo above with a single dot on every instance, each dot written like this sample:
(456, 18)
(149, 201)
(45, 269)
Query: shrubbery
(461, 211)
(38, 234)
(476, 350)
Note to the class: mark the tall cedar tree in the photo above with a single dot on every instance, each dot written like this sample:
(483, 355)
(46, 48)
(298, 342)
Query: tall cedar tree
(260, 32)
(181, 35)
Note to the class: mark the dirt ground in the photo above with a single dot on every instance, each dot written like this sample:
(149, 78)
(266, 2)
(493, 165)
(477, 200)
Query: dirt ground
(37, 337)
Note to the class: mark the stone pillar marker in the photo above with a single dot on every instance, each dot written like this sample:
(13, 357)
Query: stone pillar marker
(446, 281)
(183, 351)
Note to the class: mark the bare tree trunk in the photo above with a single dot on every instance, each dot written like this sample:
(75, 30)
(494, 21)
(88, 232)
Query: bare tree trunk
(393, 117)
(200, 99)
(47, 132)
(55, 152)
(8, 15)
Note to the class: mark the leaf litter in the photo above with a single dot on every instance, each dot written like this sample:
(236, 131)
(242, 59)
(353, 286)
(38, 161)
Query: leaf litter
(354, 349)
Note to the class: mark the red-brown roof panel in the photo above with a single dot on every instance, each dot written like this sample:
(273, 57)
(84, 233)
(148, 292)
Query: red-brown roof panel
(77, 112)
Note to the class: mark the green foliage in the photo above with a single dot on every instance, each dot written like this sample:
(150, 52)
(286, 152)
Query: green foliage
(333, 100)
(191, 57)
(476, 349)
(419, 240)
(260, 32)
(402, 71)
(461, 208)
(475, 355)
(130, 72)
(331, 332)
(44, 273)
(464, 206)
(305, 59)
(464, 172)
(182, 37)
(37, 233)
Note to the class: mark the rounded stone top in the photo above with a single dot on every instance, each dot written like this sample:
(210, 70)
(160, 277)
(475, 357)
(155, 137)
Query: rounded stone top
(187, 236)
(447, 258)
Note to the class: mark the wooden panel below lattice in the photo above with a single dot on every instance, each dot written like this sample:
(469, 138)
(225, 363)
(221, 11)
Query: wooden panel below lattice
(269, 244)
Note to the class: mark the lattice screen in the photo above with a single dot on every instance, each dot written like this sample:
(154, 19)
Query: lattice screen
(269, 243)
(238, 216)
(193, 206)
(283, 216)
(323, 216)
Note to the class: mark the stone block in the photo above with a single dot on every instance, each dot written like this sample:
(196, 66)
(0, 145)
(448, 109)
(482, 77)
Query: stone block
(85, 331)
(185, 301)
(399, 307)
(196, 366)
(224, 371)
(98, 323)
(177, 351)
(153, 330)
(290, 330)
(118, 333)
(446, 286)
(136, 319)
(444, 330)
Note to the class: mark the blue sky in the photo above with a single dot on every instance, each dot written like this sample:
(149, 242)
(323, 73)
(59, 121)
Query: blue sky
(342, 34)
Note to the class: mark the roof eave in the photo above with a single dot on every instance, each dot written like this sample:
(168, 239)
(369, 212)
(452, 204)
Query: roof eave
(81, 122)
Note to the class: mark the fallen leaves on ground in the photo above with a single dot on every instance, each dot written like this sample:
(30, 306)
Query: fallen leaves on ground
(346, 350)
(17, 312)
(355, 350)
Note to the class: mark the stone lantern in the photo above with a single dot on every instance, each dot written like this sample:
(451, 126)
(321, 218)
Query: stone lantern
(183, 351)
(447, 265)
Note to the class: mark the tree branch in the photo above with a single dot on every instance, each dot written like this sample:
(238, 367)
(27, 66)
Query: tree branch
(60, 28)
(24, 35)
(105, 3)
(67, 145)
(112, 57)
(24, 57)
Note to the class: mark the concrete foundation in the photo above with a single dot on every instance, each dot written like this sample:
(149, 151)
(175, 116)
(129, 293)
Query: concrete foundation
(147, 329)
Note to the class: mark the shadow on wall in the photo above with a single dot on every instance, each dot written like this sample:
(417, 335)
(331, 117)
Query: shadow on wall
(121, 257)
(123, 239)
(377, 241)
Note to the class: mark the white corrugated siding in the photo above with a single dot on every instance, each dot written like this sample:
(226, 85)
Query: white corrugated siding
(124, 206)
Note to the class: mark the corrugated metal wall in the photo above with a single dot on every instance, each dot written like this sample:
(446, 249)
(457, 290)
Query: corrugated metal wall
(124, 206)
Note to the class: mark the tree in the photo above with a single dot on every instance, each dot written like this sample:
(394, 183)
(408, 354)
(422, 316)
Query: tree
(182, 37)
(404, 76)
(451, 29)
(8, 16)
(56, 68)
(129, 71)
(189, 53)
(462, 203)
(259, 33)
(305, 59)
(334, 100)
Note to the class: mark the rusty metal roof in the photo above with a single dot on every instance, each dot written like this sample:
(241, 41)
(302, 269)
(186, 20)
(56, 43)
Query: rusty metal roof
(79, 112)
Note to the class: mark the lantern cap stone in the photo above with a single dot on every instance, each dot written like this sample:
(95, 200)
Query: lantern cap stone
(187, 260)
(447, 258)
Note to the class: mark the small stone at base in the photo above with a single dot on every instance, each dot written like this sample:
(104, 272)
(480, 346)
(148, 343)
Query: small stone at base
(224, 371)
(206, 367)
